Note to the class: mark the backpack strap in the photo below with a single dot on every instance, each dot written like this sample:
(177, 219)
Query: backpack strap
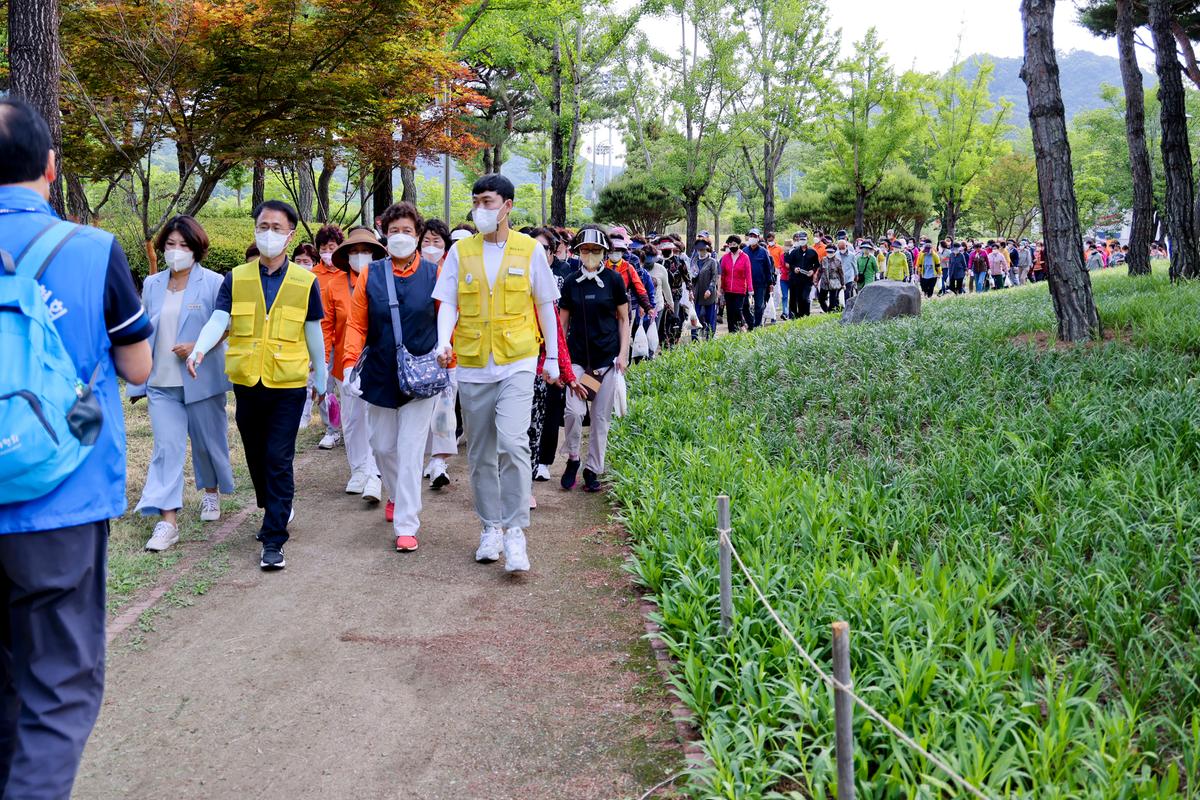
(44, 246)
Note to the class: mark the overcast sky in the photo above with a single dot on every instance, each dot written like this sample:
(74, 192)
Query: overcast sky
(924, 33)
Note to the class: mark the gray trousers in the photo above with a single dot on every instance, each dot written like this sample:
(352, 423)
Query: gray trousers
(173, 423)
(602, 408)
(496, 418)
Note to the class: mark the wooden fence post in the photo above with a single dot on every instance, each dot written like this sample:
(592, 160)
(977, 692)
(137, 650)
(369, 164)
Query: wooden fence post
(843, 709)
(726, 563)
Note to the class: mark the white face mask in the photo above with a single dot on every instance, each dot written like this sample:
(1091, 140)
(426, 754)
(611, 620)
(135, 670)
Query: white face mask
(486, 219)
(751, 240)
(270, 244)
(327, 258)
(359, 260)
(401, 245)
(433, 253)
(614, 256)
(591, 260)
(179, 260)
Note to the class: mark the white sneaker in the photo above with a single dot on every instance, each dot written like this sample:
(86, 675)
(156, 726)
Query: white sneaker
(491, 540)
(373, 489)
(437, 473)
(515, 557)
(428, 466)
(357, 483)
(541, 473)
(329, 441)
(210, 507)
(165, 534)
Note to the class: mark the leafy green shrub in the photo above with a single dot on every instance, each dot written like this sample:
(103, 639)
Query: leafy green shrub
(1011, 532)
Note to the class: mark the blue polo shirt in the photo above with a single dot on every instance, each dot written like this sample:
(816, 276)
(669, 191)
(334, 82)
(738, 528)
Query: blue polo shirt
(93, 303)
(761, 265)
(271, 281)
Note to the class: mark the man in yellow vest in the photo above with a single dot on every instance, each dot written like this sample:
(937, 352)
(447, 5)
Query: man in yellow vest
(271, 309)
(497, 298)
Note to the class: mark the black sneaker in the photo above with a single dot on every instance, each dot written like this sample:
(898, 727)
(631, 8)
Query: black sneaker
(590, 482)
(272, 557)
(568, 476)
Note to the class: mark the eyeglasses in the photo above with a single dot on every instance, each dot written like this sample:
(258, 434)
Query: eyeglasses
(264, 227)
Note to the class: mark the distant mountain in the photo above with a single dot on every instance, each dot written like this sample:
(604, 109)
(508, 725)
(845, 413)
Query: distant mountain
(1080, 72)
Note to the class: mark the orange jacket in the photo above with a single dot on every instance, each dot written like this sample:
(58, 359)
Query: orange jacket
(336, 296)
(777, 253)
(633, 284)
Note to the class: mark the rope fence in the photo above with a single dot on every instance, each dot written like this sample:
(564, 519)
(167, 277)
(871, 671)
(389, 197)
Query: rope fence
(844, 695)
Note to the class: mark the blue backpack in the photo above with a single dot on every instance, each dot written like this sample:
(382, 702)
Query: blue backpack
(49, 420)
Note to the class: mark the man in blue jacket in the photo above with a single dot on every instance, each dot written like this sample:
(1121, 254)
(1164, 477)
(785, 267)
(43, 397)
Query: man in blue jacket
(52, 548)
(762, 274)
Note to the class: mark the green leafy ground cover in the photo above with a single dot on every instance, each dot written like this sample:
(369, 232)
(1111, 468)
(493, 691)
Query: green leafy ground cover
(1010, 530)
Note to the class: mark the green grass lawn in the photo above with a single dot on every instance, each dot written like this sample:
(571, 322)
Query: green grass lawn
(1010, 530)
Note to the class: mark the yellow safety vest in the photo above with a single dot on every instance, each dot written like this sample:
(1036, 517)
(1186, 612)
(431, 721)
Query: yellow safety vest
(501, 320)
(268, 344)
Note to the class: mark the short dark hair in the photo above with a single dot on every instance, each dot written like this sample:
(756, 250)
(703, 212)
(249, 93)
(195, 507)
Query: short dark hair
(24, 142)
(402, 210)
(465, 226)
(548, 232)
(495, 183)
(733, 238)
(252, 252)
(276, 205)
(306, 249)
(191, 231)
(437, 227)
(329, 233)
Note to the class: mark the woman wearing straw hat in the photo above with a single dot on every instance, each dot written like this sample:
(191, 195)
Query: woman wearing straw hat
(351, 257)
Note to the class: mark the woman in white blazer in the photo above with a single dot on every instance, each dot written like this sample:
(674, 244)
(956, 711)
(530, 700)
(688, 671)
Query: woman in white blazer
(178, 301)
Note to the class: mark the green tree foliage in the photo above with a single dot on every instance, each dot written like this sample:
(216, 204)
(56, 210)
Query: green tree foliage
(1006, 203)
(828, 201)
(872, 123)
(641, 201)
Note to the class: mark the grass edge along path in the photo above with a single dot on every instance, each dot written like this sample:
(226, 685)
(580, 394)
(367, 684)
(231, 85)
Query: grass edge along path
(1005, 527)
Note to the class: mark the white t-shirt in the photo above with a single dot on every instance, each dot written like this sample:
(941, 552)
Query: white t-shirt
(544, 289)
(167, 370)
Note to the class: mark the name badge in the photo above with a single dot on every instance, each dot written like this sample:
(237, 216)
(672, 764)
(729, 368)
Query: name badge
(467, 280)
(195, 306)
(516, 271)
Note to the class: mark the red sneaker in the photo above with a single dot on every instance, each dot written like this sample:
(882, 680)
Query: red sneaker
(389, 511)
(406, 544)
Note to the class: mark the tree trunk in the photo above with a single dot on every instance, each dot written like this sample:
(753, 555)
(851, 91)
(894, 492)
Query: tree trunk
(860, 211)
(328, 165)
(1138, 262)
(34, 69)
(1176, 152)
(364, 211)
(497, 157)
(949, 219)
(382, 184)
(768, 187)
(487, 161)
(306, 191)
(1070, 285)
(258, 183)
(559, 181)
(408, 182)
(204, 189)
(77, 202)
(542, 177)
(691, 213)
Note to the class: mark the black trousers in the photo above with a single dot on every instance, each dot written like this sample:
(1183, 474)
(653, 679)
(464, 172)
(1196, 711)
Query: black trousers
(735, 310)
(556, 403)
(51, 655)
(798, 298)
(268, 420)
(761, 293)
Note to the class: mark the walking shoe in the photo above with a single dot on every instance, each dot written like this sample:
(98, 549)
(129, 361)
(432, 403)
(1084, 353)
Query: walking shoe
(291, 515)
(590, 482)
(406, 544)
(541, 473)
(515, 557)
(210, 507)
(428, 465)
(329, 441)
(373, 489)
(389, 511)
(272, 557)
(437, 474)
(568, 476)
(491, 540)
(165, 534)
(357, 483)
(532, 501)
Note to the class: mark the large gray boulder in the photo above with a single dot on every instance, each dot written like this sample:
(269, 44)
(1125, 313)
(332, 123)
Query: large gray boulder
(883, 300)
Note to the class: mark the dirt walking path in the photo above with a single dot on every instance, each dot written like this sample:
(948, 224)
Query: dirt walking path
(359, 672)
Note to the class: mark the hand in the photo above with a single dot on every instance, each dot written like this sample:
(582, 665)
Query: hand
(194, 360)
(550, 371)
(621, 363)
(183, 350)
(707, 293)
(444, 356)
(579, 391)
(320, 398)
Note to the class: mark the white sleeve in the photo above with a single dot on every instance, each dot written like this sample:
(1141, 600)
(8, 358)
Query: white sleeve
(548, 322)
(542, 283)
(211, 333)
(447, 318)
(446, 288)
